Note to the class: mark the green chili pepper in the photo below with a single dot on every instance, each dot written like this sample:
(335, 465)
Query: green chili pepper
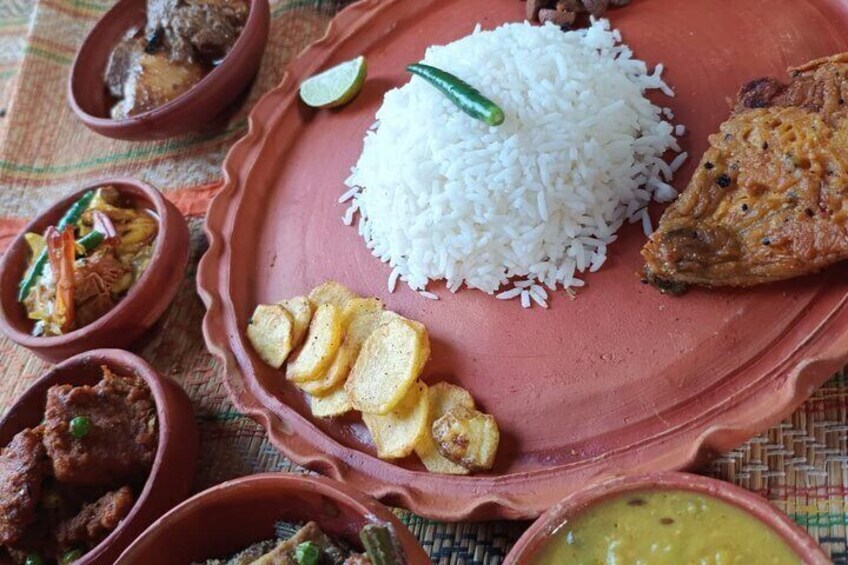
(75, 212)
(306, 553)
(71, 556)
(465, 96)
(34, 559)
(379, 545)
(71, 217)
(80, 427)
(91, 241)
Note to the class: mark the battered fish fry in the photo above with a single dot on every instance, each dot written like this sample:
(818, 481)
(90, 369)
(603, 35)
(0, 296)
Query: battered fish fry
(768, 201)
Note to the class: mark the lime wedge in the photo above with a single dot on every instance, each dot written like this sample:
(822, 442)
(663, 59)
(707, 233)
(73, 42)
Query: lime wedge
(336, 86)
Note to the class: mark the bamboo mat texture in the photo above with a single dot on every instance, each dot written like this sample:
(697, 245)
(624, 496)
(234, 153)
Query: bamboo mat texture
(800, 465)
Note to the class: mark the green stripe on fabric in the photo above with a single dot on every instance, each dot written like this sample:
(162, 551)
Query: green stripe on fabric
(228, 416)
(828, 520)
(319, 5)
(147, 151)
(89, 5)
(44, 54)
(13, 22)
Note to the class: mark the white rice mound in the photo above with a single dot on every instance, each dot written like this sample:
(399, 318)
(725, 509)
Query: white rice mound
(531, 203)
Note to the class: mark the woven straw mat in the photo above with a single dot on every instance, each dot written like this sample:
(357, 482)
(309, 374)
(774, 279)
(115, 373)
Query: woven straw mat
(800, 465)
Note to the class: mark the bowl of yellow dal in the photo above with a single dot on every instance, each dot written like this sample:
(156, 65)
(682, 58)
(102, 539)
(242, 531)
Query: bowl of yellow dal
(665, 518)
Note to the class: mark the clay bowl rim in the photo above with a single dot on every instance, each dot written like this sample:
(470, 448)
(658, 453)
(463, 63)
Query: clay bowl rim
(370, 509)
(192, 96)
(159, 206)
(119, 360)
(533, 540)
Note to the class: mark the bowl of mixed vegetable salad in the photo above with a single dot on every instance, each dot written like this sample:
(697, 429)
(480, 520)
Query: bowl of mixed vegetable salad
(95, 270)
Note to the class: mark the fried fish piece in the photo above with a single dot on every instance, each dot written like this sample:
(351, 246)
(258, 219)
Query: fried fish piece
(769, 200)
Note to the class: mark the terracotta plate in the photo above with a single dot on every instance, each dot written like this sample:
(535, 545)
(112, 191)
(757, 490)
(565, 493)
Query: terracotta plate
(622, 378)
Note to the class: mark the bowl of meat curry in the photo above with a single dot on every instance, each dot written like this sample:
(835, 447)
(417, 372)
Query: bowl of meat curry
(91, 454)
(160, 68)
(95, 270)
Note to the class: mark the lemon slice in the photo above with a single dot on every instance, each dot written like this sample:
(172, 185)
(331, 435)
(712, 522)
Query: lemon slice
(336, 86)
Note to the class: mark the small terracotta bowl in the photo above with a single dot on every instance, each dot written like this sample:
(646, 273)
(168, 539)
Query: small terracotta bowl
(229, 517)
(205, 101)
(171, 477)
(535, 538)
(145, 302)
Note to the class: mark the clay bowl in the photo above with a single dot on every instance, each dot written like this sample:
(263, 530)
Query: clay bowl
(535, 538)
(173, 469)
(220, 88)
(231, 516)
(146, 301)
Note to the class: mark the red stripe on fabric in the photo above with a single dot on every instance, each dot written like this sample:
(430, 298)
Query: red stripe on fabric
(69, 11)
(9, 228)
(52, 45)
(194, 201)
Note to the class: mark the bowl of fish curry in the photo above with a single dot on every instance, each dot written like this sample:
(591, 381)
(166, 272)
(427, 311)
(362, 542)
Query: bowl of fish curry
(96, 270)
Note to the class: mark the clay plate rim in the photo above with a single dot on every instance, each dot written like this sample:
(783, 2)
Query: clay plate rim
(520, 496)
(368, 508)
(176, 453)
(533, 540)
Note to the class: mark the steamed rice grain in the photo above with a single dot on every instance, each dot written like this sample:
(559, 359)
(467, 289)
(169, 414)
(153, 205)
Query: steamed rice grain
(534, 201)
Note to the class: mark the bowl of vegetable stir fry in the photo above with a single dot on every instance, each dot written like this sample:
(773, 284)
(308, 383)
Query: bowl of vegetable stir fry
(95, 270)
(278, 518)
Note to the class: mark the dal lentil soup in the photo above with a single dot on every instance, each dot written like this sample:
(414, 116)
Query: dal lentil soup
(665, 527)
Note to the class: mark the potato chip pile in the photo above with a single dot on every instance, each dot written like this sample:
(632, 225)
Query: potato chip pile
(350, 353)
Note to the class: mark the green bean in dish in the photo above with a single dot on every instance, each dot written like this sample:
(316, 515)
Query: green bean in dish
(307, 544)
(85, 264)
(466, 97)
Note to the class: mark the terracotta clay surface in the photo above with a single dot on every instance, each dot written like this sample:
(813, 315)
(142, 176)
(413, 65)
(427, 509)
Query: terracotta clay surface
(622, 377)
(535, 538)
(229, 517)
(89, 98)
(145, 302)
(173, 469)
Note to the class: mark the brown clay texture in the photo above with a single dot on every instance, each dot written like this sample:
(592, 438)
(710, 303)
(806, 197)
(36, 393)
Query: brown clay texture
(622, 377)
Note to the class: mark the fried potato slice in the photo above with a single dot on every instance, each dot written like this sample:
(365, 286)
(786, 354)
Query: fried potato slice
(467, 437)
(390, 361)
(270, 333)
(396, 433)
(335, 403)
(361, 317)
(444, 397)
(335, 375)
(301, 311)
(322, 342)
(424, 338)
(333, 293)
